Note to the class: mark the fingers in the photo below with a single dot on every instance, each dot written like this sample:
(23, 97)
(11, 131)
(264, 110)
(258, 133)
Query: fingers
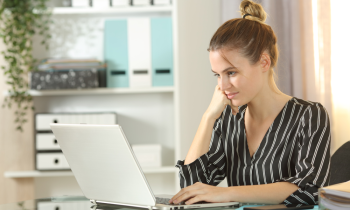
(185, 193)
(195, 199)
(182, 191)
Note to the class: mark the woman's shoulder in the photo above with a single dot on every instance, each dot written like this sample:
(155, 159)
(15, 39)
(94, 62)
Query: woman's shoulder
(306, 103)
(310, 107)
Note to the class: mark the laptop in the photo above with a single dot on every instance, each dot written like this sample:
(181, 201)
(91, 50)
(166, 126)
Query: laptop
(107, 170)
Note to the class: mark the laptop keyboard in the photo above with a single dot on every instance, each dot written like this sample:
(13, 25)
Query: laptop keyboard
(166, 201)
(162, 200)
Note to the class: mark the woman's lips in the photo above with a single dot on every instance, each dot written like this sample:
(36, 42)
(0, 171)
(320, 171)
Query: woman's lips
(231, 95)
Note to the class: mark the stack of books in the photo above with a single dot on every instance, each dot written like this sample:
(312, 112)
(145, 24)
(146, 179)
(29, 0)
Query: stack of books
(68, 73)
(335, 197)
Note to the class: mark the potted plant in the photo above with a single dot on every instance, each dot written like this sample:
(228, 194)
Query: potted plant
(19, 21)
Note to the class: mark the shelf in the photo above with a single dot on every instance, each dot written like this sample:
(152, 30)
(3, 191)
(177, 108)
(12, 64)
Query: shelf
(98, 91)
(33, 174)
(29, 174)
(111, 10)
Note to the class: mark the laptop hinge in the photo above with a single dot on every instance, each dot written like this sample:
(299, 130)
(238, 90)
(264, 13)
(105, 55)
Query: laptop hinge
(123, 204)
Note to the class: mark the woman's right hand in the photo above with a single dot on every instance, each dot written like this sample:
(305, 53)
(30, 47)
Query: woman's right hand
(218, 104)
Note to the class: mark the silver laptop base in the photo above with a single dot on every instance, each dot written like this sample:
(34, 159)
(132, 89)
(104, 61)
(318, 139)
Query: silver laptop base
(163, 206)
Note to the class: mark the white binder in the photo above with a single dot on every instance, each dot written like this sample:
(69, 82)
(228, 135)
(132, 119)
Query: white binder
(119, 3)
(161, 2)
(101, 3)
(80, 3)
(139, 42)
(141, 2)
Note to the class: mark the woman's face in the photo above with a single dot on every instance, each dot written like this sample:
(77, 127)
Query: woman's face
(240, 80)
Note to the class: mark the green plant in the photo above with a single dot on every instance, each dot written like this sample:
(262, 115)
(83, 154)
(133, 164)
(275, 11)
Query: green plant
(19, 21)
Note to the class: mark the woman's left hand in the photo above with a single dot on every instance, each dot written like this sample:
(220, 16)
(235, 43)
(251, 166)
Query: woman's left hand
(202, 192)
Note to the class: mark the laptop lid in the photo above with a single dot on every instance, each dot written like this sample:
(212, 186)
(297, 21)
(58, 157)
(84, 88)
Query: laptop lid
(103, 163)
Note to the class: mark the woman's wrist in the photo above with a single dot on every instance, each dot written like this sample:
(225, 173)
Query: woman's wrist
(207, 116)
(232, 193)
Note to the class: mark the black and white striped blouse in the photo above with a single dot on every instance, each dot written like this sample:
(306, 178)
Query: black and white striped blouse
(295, 149)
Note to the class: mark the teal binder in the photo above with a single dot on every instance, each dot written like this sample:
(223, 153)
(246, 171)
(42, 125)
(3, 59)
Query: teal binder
(116, 53)
(162, 51)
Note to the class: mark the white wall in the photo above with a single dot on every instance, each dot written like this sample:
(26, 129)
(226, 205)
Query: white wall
(197, 22)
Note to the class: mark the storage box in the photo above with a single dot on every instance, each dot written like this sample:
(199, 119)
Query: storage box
(101, 3)
(67, 79)
(148, 155)
(120, 3)
(80, 3)
(141, 2)
(161, 2)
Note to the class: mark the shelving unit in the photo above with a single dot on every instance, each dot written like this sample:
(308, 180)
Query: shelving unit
(178, 111)
(98, 91)
(35, 174)
(111, 10)
(150, 111)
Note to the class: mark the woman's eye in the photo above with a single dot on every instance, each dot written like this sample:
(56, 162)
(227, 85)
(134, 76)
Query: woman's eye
(216, 75)
(231, 73)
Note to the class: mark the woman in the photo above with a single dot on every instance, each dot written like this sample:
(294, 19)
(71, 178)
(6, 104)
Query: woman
(271, 147)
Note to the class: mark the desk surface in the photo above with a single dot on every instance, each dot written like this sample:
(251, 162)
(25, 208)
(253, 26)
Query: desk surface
(69, 203)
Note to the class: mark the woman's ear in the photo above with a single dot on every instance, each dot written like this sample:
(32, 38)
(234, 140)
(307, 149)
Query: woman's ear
(265, 62)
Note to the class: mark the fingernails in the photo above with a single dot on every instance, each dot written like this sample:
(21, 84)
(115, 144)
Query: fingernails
(175, 201)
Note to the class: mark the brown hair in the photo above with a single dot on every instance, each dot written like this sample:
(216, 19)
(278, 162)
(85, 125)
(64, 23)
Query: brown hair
(249, 35)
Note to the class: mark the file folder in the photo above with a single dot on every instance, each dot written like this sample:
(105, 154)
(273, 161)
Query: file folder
(162, 51)
(118, 3)
(141, 2)
(116, 53)
(139, 42)
(161, 2)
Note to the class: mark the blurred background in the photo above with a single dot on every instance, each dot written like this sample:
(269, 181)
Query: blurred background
(312, 39)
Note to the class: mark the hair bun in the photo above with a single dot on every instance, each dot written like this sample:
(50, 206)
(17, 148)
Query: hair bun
(256, 11)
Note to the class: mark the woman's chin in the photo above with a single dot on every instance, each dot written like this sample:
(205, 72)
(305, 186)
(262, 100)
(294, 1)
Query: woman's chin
(236, 102)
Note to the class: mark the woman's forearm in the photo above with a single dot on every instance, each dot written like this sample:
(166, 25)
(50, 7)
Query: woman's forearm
(201, 141)
(274, 193)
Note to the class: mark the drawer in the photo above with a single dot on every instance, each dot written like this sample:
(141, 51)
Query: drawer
(50, 206)
(46, 141)
(64, 205)
(51, 161)
(43, 121)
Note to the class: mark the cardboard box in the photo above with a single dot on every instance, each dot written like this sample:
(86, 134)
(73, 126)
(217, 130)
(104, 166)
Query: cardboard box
(148, 155)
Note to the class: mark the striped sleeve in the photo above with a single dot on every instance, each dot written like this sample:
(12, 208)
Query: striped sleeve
(209, 168)
(313, 156)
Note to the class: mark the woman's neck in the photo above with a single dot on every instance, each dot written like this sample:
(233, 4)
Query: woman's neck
(268, 103)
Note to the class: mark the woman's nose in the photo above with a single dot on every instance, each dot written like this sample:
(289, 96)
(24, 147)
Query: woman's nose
(224, 84)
